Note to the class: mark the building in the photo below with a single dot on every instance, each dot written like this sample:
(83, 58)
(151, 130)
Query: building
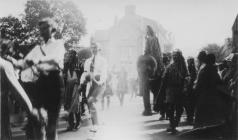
(124, 41)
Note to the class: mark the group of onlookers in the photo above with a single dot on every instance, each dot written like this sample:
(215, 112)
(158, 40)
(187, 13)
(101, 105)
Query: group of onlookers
(206, 90)
(202, 88)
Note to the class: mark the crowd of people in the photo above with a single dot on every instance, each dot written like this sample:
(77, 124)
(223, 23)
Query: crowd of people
(46, 81)
(203, 88)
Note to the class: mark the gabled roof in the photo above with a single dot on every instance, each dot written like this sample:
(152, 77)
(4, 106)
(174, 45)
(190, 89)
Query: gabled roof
(235, 25)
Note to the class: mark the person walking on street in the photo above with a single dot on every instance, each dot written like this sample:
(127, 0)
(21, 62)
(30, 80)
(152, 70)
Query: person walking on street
(122, 86)
(95, 76)
(108, 92)
(173, 80)
(47, 65)
(160, 104)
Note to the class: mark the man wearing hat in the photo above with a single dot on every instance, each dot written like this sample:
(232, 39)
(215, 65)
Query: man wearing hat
(95, 75)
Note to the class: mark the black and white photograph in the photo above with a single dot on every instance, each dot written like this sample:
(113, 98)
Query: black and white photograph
(119, 69)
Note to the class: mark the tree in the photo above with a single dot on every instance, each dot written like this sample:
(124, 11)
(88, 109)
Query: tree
(35, 10)
(71, 23)
(24, 31)
(13, 29)
(215, 49)
(221, 52)
(16, 31)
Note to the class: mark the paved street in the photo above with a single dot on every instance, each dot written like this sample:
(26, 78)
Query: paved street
(124, 123)
(120, 123)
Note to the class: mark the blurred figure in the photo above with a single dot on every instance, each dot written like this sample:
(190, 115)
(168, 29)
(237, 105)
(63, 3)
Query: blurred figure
(211, 106)
(146, 67)
(202, 56)
(201, 63)
(228, 70)
(147, 84)
(12, 85)
(122, 84)
(190, 99)
(71, 93)
(152, 48)
(95, 75)
(108, 92)
(160, 105)
(234, 94)
(46, 65)
(173, 82)
(134, 87)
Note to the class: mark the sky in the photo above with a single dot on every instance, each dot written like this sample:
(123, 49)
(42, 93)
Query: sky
(194, 23)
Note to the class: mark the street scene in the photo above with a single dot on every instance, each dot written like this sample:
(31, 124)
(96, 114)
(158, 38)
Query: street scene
(123, 123)
(118, 123)
(118, 69)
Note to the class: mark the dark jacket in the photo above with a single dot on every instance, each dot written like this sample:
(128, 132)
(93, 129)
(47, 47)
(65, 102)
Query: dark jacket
(210, 106)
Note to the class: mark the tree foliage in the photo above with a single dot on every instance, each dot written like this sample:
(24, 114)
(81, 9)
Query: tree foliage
(17, 32)
(35, 10)
(220, 52)
(13, 29)
(214, 49)
(71, 23)
(24, 31)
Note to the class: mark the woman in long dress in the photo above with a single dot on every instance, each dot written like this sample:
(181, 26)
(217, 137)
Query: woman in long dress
(210, 106)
